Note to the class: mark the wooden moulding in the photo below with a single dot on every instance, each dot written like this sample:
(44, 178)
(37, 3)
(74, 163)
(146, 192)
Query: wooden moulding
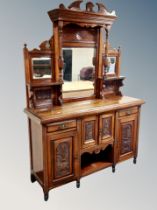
(89, 107)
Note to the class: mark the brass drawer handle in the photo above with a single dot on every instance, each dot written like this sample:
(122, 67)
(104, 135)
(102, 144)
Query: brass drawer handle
(128, 112)
(62, 126)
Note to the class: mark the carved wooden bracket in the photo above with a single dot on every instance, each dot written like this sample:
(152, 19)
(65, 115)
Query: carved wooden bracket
(60, 27)
(60, 63)
(31, 98)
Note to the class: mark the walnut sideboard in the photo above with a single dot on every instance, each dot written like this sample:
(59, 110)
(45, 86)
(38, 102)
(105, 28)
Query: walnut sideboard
(80, 138)
(79, 121)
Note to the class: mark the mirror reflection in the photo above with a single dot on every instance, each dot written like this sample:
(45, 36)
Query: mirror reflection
(111, 68)
(41, 68)
(78, 71)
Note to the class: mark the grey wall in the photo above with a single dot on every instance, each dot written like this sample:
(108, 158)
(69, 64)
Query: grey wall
(132, 187)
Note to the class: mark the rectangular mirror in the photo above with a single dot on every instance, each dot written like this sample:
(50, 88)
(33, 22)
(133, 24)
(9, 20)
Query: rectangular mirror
(111, 69)
(41, 68)
(78, 71)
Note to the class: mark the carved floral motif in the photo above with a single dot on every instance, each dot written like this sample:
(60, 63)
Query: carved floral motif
(106, 126)
(62, 159)
(89, 130)
(126, 145)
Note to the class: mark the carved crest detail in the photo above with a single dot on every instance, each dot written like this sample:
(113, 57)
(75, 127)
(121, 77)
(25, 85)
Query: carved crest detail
(89, 7)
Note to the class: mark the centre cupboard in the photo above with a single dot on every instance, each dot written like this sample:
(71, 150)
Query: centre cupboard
(79, 121)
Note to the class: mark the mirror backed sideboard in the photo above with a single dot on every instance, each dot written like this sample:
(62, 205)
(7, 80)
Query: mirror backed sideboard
(79, 121)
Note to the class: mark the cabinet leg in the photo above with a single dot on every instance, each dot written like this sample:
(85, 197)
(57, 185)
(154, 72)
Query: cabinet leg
(113, 168)
(33, 179)
(78, 183)
(135, 160)
(46, 196)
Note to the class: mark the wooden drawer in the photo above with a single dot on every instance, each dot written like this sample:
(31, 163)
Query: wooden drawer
(129, 111)
(61, 125)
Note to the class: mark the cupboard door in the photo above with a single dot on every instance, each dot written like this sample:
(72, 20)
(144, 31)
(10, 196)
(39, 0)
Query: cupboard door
(127, 136)
(89, 131)
(106, 128)
(63, 156)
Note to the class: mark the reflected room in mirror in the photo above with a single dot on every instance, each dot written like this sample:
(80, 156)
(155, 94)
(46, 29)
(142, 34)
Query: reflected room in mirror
(78, 72)
(111, 68)
(41, 68)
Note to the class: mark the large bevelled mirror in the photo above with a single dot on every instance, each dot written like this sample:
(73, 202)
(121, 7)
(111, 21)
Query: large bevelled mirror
(78, 71)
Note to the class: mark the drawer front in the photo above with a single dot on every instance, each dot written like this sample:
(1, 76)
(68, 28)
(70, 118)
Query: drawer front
(61, 125)
(129, 111)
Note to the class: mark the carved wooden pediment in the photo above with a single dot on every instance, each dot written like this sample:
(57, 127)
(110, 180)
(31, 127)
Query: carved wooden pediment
(93, 14)
(101, 8)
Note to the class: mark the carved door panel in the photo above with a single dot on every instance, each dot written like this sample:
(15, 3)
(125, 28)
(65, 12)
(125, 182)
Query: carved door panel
(63, 156)
(127, 136)
(106, 128)
(89, 131)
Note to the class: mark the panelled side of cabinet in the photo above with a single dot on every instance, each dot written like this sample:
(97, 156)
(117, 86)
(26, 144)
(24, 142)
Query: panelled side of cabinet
(36, 150)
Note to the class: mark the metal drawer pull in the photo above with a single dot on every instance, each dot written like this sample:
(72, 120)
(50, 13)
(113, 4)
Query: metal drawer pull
(63, 126)
(128, 112)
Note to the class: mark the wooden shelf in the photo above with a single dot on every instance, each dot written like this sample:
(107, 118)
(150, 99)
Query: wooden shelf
(44, 84)
(93, 167)
(96, 161)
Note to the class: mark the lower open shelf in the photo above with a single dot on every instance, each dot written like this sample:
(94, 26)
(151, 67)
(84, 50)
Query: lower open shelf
(94, 162)
(94, 167)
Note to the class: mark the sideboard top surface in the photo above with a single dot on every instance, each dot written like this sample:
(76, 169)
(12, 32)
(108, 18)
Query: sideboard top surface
(82, 108)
